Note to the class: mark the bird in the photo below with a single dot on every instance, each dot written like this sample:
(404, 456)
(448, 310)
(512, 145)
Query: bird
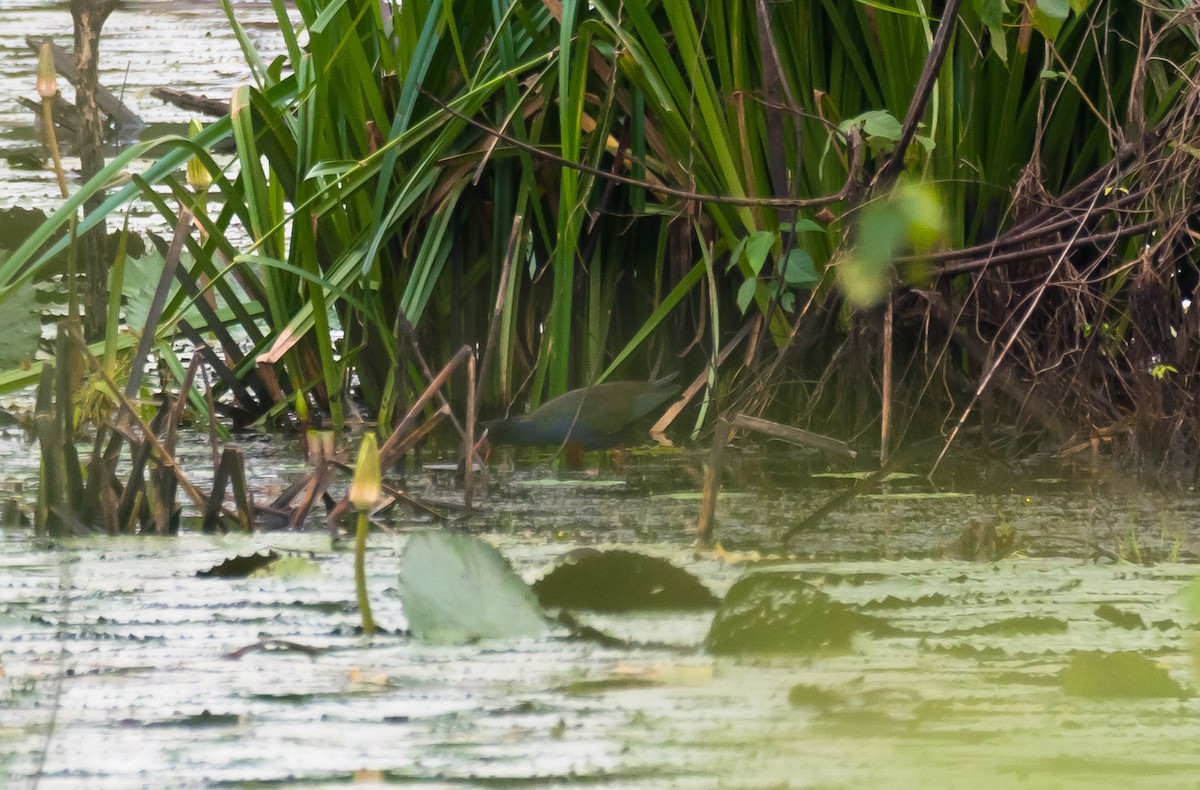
(591, 418)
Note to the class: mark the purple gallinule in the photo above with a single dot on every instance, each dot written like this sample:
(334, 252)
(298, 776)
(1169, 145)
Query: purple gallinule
(592, 418)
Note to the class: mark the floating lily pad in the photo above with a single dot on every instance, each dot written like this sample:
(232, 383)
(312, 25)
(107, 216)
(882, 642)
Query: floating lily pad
(21, 318)
(554, 483)
(864, 475)
(779, 612)
(696, 496)
(456, 588)
(202, 719)
(1189, 596)
(804, 695)
(289, 568)
(1130, 621)
(919, 495)
(618, 581)
(142, 274)
(1026, 625)
(241, 566)
(1125, 674)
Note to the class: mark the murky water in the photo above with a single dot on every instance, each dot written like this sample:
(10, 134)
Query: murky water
(117, 664)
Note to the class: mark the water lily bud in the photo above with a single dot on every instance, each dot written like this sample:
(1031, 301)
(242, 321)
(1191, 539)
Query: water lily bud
(198, 177)
(47, 77)
(367, 486)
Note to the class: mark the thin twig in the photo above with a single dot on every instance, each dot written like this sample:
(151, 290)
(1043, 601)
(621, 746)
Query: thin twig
(724, 200)
(1034, 300)
(164, 457)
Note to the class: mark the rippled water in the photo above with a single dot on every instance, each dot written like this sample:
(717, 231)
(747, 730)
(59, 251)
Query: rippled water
(182, 44)
(117, 659)
(118, 665)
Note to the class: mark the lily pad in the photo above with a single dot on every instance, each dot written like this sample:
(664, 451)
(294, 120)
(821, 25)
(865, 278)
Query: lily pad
(1130, 621)
(457, 588)
(618, 581)
(293, 567)
(864, 475)
(698, 496)
(550, 482)
(1126, 674)
(241, 566)
(919, 495)
(21, 318)
(779, 612)
(140, 285)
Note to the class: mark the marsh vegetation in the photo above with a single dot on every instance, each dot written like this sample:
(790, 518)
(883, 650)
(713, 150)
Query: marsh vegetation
(947, 249)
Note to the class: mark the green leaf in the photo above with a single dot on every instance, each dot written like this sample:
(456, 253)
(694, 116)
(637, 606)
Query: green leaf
(22, 322)
(758, 247)
(911, 216)
(619, 581)
(999, 42)
(1160, 371)
(456, 588)
(865, 277)
(139, 284)
(1049, 15)
(991, 12)
(334, 170)
(326, 16)
(802, 226)
(863, 475)
(879, 127)
(779, 612)
(922, 209)
(745, 294)
(550, 482)
(799, 270)
(903, 495)
(735, 254)
(291, 567)
(1189, 596)
(1123, 674)
(1056, 9)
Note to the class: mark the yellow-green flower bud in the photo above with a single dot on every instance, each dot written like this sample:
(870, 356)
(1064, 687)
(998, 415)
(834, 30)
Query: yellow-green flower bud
(367, 486)
(47, 77)
(198, 177)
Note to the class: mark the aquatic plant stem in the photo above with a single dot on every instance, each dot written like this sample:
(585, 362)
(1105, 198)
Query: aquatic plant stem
(61, 176)
(360, 573)
(365, 490)
(52, 144)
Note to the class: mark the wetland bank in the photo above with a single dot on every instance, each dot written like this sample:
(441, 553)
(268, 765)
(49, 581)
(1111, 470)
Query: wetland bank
(960, 263)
